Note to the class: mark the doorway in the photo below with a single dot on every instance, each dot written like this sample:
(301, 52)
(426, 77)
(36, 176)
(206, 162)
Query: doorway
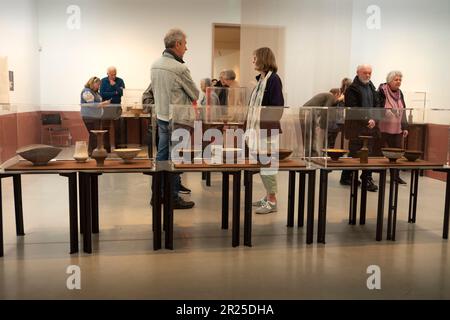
(226, 49)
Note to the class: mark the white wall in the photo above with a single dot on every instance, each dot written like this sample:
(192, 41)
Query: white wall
(19, 43)
(317, 42)
(415, 38)
(127, 34)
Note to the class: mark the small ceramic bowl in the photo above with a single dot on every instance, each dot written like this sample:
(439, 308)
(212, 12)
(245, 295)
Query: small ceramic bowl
(335, 154)
(393, 153)
(412, 155)
(127, 155)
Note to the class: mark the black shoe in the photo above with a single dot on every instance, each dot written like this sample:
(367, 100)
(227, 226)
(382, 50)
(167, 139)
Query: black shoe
(371, 186)
(180, 203)
(400, 181)
(184, 190)
(348, 182)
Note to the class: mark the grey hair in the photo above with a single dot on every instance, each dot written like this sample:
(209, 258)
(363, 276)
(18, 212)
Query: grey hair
(111, 69)
(363, 66)
(172, 37)
(391, 76)
(229, 75)
(207, 82)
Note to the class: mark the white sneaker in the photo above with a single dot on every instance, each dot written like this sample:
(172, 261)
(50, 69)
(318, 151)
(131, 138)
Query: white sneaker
(266, 208)
(260, 203)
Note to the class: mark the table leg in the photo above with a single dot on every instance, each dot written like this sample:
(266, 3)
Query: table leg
(168, 210)
(94, 199)
(17, 181)
(393, 193)
(87, 234)
(291, 200)
(225, 198)
(322, 218)
(395, 204)
(73, 211)
(416, 195)
(156, 210)
(1, 220)
(447, 207)
(310, 213)
(381, 199)
(363, 207)
(82, 200)
(248, 208)
(301, 199)
(236, 207)
(208, 179)
(353, 198)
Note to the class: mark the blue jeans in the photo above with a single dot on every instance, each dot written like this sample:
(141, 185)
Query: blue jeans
(164, 151)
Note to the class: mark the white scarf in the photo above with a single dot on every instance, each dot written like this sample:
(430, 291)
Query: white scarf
(253, 117)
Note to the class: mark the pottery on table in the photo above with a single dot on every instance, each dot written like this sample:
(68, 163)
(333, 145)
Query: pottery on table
(335, 154)
(38, 154)
(412, 155)
(363, 154)
(81, 151)
(99, 153)
(393, 153)
(128, 154)
(283, 154)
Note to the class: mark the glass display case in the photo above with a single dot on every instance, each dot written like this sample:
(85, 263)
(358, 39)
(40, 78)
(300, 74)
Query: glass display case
(386, 135)
(220, 135)
(44, 133)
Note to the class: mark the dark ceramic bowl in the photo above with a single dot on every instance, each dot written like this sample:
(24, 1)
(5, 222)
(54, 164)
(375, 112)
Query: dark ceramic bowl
(38, 154)
(412, 155)
(393, 153)
(335, 154)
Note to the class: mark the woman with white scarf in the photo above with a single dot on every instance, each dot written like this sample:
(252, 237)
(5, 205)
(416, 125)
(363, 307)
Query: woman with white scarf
(268, 93)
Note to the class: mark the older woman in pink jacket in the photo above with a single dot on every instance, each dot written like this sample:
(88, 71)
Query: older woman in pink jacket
(393, 126)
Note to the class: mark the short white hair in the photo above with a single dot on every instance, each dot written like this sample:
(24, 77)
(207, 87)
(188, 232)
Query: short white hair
(172, 37)
(363, 66)
(392, 75)
(112, 68)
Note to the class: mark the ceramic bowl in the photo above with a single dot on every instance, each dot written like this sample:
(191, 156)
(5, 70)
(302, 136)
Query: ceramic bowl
(127, 154)
(335, 154)
(283, 154)
(38, 154)
(393, 153)
(412, 155)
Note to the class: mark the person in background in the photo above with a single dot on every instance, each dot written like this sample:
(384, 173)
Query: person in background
(394, 126)
(361, 94)
(112, 89)
(172, 84)
(269, 93)
(91, 97)
(213, 99)
(320, 119)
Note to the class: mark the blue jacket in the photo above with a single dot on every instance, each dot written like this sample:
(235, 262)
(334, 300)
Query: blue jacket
(114, 92)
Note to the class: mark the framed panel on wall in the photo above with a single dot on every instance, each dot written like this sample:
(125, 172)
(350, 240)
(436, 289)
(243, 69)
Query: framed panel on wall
(4, 80)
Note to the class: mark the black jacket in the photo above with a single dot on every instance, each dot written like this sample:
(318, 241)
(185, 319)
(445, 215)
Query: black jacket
(273, 97)
(356, 120)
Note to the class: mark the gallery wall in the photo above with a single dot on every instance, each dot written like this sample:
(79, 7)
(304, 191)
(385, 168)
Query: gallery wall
(126, 34)
(19, 43)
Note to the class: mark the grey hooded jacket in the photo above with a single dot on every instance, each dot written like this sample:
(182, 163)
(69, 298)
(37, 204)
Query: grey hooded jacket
(172, 85)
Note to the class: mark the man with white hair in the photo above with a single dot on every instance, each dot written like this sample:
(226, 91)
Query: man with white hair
(172, 84)
(361, 94)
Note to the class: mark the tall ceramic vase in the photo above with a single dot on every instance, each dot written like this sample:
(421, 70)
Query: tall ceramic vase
(364, 152)
(99, 153)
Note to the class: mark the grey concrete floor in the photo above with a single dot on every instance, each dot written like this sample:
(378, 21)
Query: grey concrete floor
(204, 265)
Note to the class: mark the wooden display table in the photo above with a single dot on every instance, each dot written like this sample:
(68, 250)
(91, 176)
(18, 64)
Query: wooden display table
(380, 165)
